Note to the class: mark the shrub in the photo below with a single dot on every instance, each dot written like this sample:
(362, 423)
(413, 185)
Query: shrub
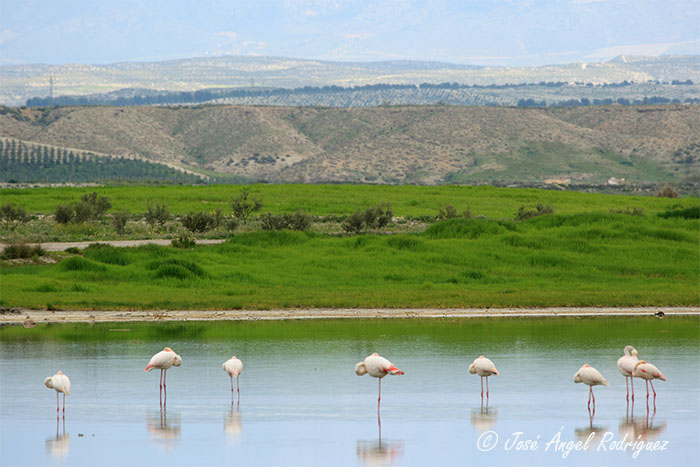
(298, 221)
(119, 220)
(467, 228)
(184, 240)
(157, 214)
(272, 222)
(107, 254)
(12, 216)
(374, 217)
(91, 207)
(448, 212)
(243, 208)
(354, 223)
(197, 222)
(667, 191)
(232, 224)
(63, 213)
(22, 250)
(191, 267)
(78, 263)
(540, 210)
(629, 211)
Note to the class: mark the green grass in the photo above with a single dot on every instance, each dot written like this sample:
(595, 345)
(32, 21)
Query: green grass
(340, 199)
(579, 259)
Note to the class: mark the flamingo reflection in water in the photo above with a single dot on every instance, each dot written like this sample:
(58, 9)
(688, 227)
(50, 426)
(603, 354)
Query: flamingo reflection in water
(59, 445)
(233, 424)
(378, 453)
(162, 432)
(483, 418)
(640, 428)
(591, 435)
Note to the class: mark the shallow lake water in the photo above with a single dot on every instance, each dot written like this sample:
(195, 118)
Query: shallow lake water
(302, 404)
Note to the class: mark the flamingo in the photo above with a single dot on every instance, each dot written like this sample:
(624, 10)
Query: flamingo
(625, 366)
(233, 366)
(648, 372)
(377, 367)
(163, 360)
(592, 377)
(60, 383)
(483, 367)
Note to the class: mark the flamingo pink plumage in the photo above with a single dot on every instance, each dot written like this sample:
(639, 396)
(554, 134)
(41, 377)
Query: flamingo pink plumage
(233, 366)
(648, 372)
(592, 377)
(163, 360)
(625, 365)
(377, 367)
(61, 383)
(483, 367)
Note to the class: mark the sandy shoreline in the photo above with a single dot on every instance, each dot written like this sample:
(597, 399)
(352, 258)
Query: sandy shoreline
(18, 316)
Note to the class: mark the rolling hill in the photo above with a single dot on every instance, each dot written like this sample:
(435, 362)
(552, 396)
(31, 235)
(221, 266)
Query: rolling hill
(402, 144)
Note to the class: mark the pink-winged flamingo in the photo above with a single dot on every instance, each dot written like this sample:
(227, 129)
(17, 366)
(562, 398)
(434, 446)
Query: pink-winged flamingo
(60, 383)
(483, 367)
(625, 365)
(233, 366)
(377, 367)
(163, 360)
(648, 372)
(592, 377)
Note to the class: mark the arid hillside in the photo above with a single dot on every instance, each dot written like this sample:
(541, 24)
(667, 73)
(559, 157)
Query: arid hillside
(412, 144)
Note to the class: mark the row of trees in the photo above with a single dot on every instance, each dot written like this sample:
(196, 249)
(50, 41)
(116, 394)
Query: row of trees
(21, 162)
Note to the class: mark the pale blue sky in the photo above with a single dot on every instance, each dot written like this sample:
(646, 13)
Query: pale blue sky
(486, 32)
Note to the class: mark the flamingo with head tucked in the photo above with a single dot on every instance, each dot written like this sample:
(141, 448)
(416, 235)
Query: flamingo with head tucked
(483, 367)
(163, 360)
(625, 365)
(233, 366)
(592, 377)
(648, 372)
(377, 367)
(60, 383)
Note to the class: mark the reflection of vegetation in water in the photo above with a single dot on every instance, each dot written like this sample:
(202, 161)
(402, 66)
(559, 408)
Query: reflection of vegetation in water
(564, 331)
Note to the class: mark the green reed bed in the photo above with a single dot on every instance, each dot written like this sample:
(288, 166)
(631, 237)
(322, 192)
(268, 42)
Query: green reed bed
(588, 259)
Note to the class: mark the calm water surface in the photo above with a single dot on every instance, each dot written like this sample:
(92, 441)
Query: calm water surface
(302, 404)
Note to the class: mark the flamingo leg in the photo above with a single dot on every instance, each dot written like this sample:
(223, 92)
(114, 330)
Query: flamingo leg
(482, 386)
(590, 393)
(379, 420)
(231, 376)
(165, 389)
(654, 390)
(160, 389)
(632, 384)
(627, 386)
(647, 395)
(64, 405)
(57, 405)
(487, 388)
(238, 389)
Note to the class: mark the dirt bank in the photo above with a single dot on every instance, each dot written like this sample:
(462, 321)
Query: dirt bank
(19, 316)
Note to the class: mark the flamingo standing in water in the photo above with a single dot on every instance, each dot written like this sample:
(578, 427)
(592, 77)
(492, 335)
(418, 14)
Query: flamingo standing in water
(648, 372)
(625, 365)
(592, 377)
(483, 367)
(377, 367)
(163, 360)
(60, 383)
(233, 366)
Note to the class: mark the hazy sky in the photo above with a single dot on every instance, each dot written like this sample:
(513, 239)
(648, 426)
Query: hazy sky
(515, 32)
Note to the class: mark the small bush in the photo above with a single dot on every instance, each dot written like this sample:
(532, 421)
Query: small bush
(63, 213)
(374, 217)
(91, 207)
(466, 228)
(184, 240)
(119, 220)
(157, 214)
(448, 212)
(232, 224)
(189, 266)
(667, 191)
(629, 211)
(107, 254)
(172, 271)
(11, 216)
(78, 263)
(243, 207)
(298, 221)
(22, 250)
(540, 210)
(198, 221)
(355, 223)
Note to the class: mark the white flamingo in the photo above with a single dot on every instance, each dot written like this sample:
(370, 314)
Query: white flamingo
(60, 383)
(163, 360)
(483, 367)
(648, 372)
(377, 367)
(625, 365)
(233, 366)
(592, 377)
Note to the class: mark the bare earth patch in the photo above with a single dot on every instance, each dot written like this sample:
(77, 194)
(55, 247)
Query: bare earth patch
(19, 316)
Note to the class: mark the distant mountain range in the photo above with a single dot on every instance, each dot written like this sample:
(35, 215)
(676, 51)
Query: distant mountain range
(21, 82)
